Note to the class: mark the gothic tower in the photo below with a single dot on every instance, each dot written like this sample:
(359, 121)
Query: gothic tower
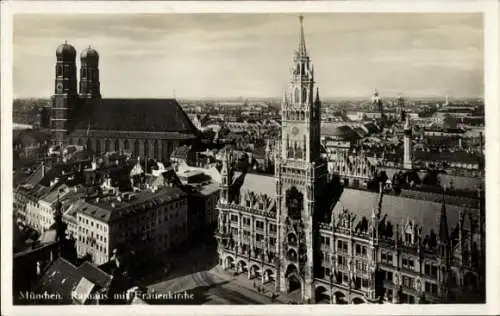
(407, 158)
(301, 175)
(89, 74)
(65, 97)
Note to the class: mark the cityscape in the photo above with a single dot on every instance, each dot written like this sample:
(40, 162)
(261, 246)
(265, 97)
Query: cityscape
(375, 196)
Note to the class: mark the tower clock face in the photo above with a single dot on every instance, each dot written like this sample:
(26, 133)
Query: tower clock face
(295, 131)
(59, 88)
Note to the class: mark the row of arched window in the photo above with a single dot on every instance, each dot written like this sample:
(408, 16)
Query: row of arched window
(109, 145)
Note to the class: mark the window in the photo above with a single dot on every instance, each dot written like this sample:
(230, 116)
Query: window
(434, 289)
(386, 257)
(358, 250)
(427, 269)
(365, 283)
(434, 271)
(341, 261)
(389, 276)
(234, 218)
(325, 240)
(259, 237)
(408, 237)
(259, 225)
(136, 148)
(272, 228)
(146, 148)
(411, 265)
(156, 150)
(246, 233)
(246, 221)
(342, 246)
(272, 241)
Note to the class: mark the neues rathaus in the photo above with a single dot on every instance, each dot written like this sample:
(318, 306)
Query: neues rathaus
(302, 234)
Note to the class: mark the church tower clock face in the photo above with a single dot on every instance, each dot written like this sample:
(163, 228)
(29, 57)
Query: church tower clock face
(295, 130)
(59, 88)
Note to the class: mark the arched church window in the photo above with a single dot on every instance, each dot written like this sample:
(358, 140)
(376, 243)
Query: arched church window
(98, 146)
(126, 144)
(156, 149)
(136, 148)
(106, 145)
(59, 70)
(146, 148)
(304, 95)
(297, 94)
(117, 145)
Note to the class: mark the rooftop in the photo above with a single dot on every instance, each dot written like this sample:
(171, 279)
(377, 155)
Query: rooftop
(144, 115)
(109, 209)
(425, 213)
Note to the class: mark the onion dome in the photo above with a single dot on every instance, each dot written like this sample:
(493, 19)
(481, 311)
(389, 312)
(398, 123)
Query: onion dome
(66, 52)
(89, 54)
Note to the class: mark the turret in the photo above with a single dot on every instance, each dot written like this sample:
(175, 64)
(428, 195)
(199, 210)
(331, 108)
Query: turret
(226, 176)
(443, 225)
(407, 158)
(89, 74)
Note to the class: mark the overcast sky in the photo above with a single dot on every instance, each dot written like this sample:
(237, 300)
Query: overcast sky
(248, 55)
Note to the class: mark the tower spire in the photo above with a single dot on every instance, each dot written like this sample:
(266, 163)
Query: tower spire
(302, 38)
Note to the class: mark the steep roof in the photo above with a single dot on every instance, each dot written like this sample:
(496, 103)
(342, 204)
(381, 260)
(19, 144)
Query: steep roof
(397, 208)
(448, 156)
(59, 279)
(334, 129)
(258, 183)
(140, 115)
(105, 212)
(94, 274)
(62, 277)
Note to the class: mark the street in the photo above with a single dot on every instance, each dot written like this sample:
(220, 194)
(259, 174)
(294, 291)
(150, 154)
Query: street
(196, 273)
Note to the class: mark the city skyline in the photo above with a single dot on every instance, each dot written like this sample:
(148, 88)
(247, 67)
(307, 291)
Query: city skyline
(234, 55)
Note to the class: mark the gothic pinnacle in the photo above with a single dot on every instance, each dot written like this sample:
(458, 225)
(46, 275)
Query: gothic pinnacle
(302, 39)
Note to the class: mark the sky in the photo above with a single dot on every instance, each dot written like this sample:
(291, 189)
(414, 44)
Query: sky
(249, 55)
